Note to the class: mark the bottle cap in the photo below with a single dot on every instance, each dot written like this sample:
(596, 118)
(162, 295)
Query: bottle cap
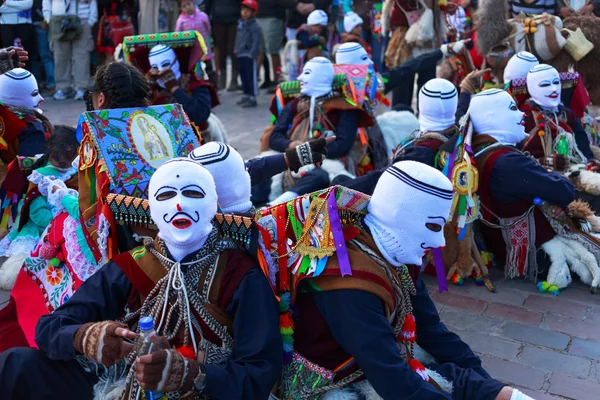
(537, 201)
(146, 324)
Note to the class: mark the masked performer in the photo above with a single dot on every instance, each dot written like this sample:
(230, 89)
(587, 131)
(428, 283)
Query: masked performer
(19, 92)
(168, 85)
(225, 348)
(366, 324)
(557, 137)
(318, 112)
(509, 183)
(438, 99)
(517, 67)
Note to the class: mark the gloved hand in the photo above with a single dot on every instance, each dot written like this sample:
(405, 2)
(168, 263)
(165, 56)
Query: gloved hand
(472, 82)
(313, 151)
(454, 48)
(557, 162)
(166, 371)
(103, 341)
(169, 80)
(152, 79)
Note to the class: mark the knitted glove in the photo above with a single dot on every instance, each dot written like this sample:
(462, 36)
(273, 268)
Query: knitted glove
(472, 82)
(6, 62)
(152, 78)
(166, 371)
(453, 48)
(168, 79)
(101, 342)
(556, 162)
(311, 152)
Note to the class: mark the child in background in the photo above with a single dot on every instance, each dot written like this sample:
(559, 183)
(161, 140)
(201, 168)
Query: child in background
(353, 30)
(192, 19)
(313, 35)
(247, 48)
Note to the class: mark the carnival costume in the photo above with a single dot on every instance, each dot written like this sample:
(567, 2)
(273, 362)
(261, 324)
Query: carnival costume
(350, 308)
(319, 111)
(179, 59)
(34, 217)
(515, 194)
(202, 293)
(306, 44)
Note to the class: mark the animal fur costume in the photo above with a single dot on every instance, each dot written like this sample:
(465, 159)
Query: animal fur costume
(495, 29)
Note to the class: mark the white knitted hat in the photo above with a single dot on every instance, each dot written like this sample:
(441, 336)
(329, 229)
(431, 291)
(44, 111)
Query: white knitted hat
(351, 21)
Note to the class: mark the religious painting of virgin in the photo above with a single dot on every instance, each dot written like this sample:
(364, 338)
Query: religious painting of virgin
(133, 143)
(317, 240)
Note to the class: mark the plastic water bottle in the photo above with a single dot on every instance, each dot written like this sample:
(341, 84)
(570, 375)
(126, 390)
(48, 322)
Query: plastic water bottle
(562, 147)
(147, 346)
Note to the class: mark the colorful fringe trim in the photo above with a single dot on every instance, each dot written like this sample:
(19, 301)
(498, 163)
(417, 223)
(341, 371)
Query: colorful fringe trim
(286, 327)
(457, 279)
(545, 287)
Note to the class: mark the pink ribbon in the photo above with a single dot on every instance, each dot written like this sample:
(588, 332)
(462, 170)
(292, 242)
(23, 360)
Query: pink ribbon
(338, 235)
(438, 261)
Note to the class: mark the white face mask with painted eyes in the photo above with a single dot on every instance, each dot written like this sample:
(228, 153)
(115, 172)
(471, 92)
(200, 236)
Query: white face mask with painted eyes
(19, 88)
(408, 210)
(183, 202)
(316, 78)
(352, 53)
(543, 84)
(163, 57)
(494, 112)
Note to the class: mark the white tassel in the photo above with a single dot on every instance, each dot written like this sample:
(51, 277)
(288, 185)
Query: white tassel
(311, 114)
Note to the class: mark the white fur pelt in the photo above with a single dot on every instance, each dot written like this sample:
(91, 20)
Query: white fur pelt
(332, 167)
(10, 270)
(216, 131)
(568, 254)
(584, 180)
(395, 127)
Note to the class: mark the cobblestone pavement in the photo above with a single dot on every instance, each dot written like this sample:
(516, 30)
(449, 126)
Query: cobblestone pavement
(547, 346)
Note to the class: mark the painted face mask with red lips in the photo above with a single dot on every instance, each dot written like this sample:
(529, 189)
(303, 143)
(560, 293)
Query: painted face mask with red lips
(543, 84)
(183, 202)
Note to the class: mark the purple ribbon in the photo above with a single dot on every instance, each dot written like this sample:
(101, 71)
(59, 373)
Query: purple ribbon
(338, 235)
(438, 261)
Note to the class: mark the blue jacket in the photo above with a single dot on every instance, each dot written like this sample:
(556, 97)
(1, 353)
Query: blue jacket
(248, 38)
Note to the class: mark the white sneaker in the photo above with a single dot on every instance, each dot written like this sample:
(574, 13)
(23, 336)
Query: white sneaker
(79, 95)
(60, 95)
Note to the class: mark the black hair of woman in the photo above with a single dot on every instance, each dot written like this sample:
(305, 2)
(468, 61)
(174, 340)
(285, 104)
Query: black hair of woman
(61, 148)
(118, 85)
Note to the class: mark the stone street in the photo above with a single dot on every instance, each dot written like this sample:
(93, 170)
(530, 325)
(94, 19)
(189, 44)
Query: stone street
(547, 346)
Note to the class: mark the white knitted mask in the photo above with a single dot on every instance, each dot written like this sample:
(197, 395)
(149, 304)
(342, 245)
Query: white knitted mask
(183, 202)
(543, 84)
(18, 88)
(317, 17)
(228, 169)
(408, 210)
(163, 57)
(519, 66)
(494, 112)
(316, 78)
(351, 21)
(352, 53)
(438, 100)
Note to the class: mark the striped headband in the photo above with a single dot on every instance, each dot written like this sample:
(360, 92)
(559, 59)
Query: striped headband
(438, 94)
(525, 57)
(540, 68)
(211, 158)
(417, 184)
(161, 49)
(18, 76)
(348, 49)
